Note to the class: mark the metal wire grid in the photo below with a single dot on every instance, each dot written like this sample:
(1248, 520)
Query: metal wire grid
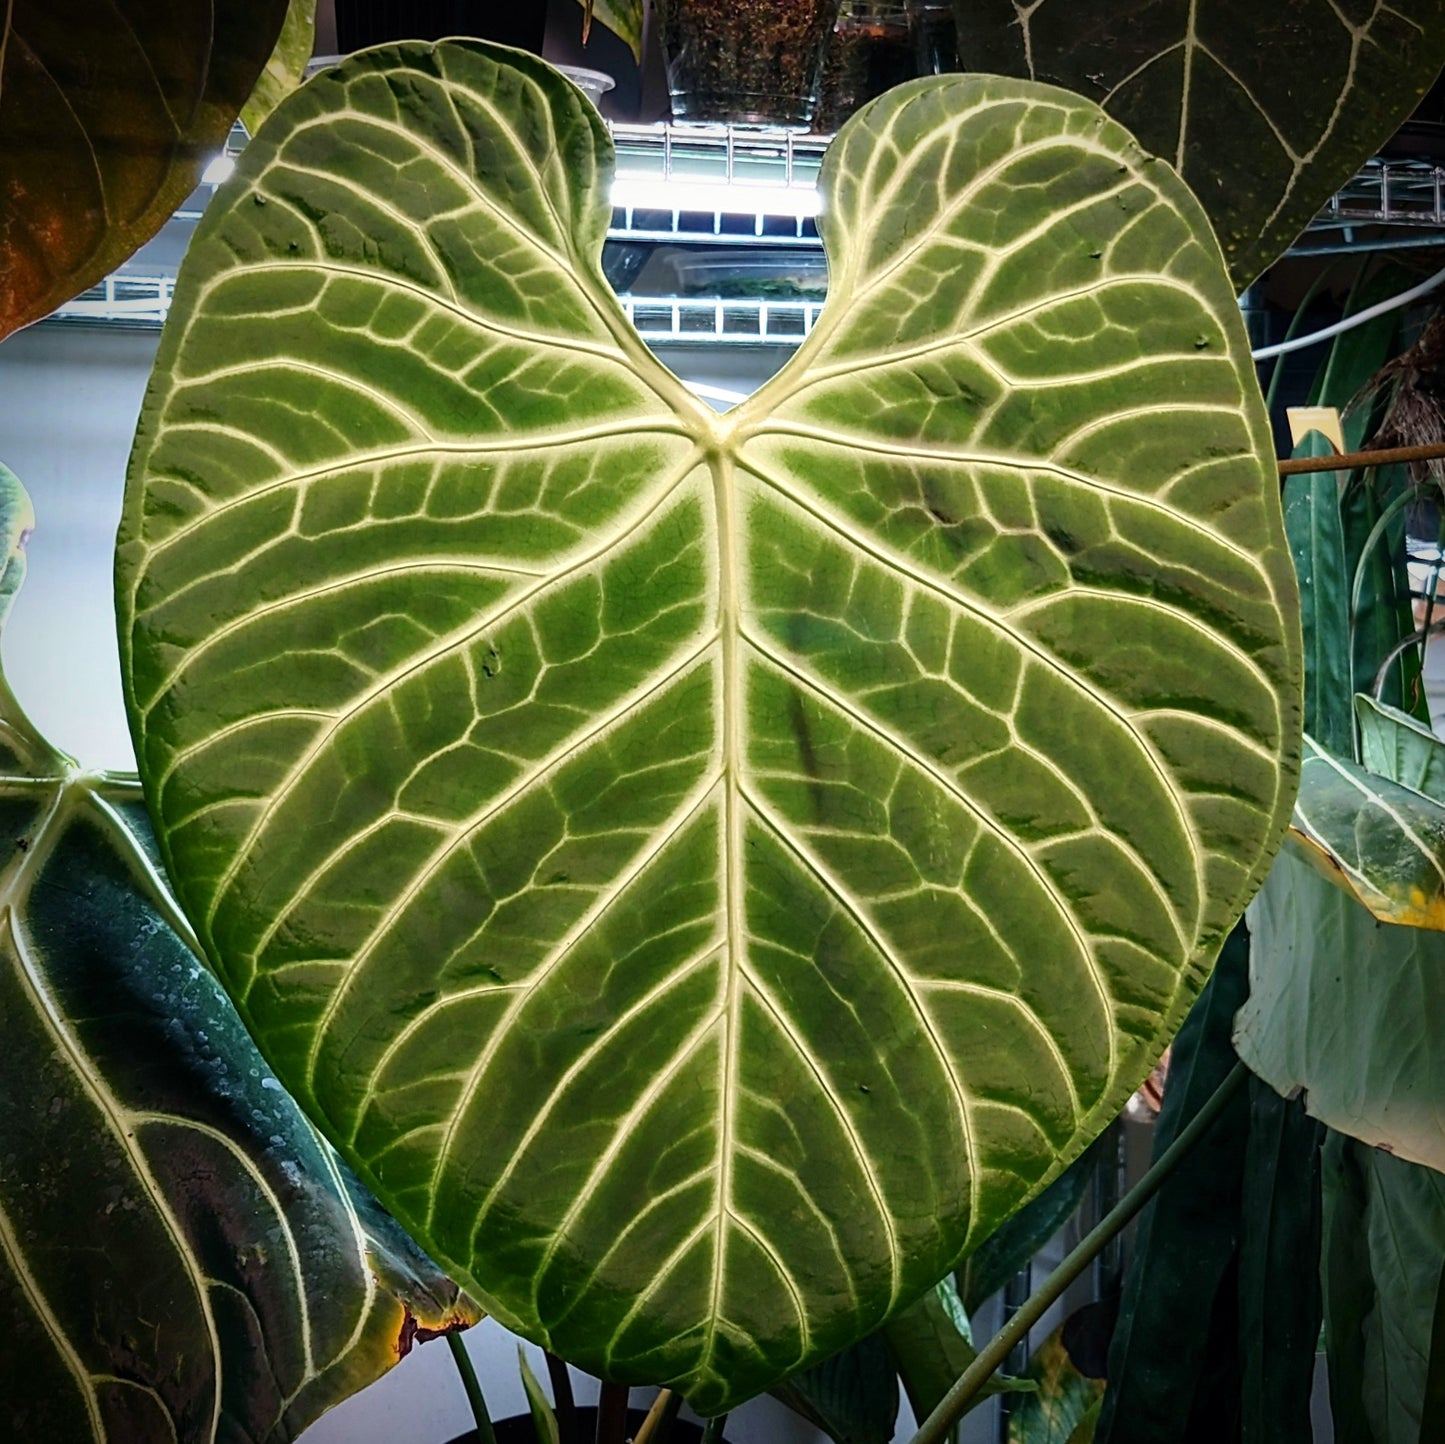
(741, 185)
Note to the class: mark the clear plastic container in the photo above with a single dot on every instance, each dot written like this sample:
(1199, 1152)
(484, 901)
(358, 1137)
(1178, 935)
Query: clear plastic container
(871, 50)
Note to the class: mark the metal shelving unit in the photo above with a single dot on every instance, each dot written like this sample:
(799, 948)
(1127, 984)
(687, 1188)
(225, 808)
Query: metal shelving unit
(743, 187)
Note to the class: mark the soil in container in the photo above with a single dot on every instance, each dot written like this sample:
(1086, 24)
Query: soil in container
(519, 1430)
(747, 61)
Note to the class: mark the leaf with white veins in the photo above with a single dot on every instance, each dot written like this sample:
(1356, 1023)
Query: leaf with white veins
(705, 871)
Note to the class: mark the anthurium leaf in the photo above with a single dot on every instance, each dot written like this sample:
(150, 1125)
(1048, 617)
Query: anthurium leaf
(1315, 529)
(1330, 994)
(622, 17)
(286, 68)
(1264, 112)
(705, 871)
(1394, 744)
(1017, 1240)
(108, 115)
(852, 1397)
(1383, 843)
(181, 1257)
(1385, 1229)
(1062, 1402)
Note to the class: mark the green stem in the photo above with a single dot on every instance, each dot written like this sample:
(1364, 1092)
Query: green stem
(712, 1431)
(463, 1361)
(934, 1429)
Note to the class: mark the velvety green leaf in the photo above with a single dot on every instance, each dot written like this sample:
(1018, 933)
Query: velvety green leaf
(181, 1257)
(1339, 1007)
(1018, 1239)
(1385, 1228)
(1394, 744)
(1348, 1286)
(108, 114)
(1279, 1283)
(852, 1397)
(1381, 843)
(544, 1419)
(287, 66)
(1173, 1364)
(1063, 1401)
(1317, 544)
(622, 17)
(1265, 111)
(705, 871)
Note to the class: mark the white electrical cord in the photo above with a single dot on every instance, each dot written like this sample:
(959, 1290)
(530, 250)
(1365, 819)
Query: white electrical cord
(1380, 308)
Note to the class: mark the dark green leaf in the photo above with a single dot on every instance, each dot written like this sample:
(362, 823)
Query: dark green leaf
(705, 871)
(1385, 1249)
(852, 1397)
(1317, 544)
(1382, 615)
(1279, 1280)
(1265, 111)
(181, 1257)
(1173, 1368)
(1063, 1401)
(286, 67)
(1017, 1240)
(1340, 1006)
(108, 114)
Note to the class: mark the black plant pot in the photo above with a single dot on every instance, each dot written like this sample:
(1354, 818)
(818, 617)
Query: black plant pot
(751, 61)
(360, 23)
(519, 1430)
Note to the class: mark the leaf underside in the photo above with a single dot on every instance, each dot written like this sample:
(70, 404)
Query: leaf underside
(1265, 110)
(705, 871)
(108, 115)
(181, 1256)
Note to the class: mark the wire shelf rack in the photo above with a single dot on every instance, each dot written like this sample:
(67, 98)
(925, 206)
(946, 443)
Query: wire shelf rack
(741, 186)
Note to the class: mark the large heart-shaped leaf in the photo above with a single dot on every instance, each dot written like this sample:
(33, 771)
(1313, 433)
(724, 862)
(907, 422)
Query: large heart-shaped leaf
(705, 871)
(181, 1257)
(1265, 111)
(108, 114)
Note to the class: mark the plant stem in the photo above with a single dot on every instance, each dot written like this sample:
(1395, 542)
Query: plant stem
(563, 1404)
(935, 1428)
(712, 1431)
(612, 1414)
(658, 1424)
(463, 1361)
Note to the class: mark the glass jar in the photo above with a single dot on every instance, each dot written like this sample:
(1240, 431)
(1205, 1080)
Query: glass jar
(935, 36)
(870, 51)
(750, 61)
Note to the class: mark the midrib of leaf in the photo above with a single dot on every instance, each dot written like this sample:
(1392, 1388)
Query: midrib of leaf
(730, 603)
